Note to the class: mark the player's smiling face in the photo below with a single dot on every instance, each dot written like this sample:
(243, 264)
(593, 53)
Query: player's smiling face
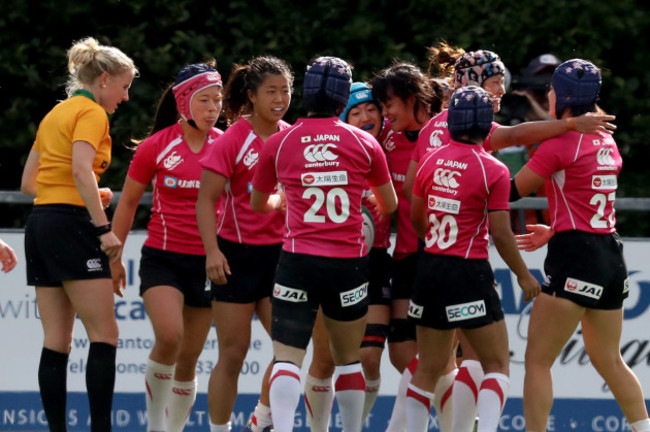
(366, 116)
(272, 98)
(400, 113)
(495, 86)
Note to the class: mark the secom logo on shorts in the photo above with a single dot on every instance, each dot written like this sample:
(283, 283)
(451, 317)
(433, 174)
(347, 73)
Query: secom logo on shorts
(465, 311)
(94, 264)
(586, 289)
(289, 294)
(354, 296)
(415, 310)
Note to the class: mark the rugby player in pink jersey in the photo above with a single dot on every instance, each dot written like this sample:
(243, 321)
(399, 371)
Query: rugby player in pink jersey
(257, 96)
(364, 112)
(408, 100)
(459, 189)
(323, 166)
(172, 266)
(485, 69)
(586, 277)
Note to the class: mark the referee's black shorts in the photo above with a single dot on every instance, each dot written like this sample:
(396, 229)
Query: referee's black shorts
(61, 245)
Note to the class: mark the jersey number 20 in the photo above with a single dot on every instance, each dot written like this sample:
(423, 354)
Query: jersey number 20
(333, 195)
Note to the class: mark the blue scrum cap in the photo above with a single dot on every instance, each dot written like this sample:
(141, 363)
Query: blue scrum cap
(470, 112)
(576, 82)
(328, 76)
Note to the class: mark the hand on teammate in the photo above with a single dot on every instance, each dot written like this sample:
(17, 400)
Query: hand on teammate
(596, 124)
(538, 236)
(216, 267)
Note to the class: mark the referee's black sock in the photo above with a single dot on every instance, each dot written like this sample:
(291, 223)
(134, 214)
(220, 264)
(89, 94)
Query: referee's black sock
(100, 382)
(52, 377)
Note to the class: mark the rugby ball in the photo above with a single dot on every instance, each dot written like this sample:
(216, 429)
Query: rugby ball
(368, 229)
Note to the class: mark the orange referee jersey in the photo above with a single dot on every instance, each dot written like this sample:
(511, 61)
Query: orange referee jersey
(78, 118)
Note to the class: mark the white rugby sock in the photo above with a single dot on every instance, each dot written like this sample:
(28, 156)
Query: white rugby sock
(398, 416)
(418, 407)
(442, 401)
(158, 381)
(465, 395)
(180, 403)
(641, 426)
(261, 417)
(219, 427)
(372, 390)
(350, 389)
(491, 400)
(284, 393)
(319, 397)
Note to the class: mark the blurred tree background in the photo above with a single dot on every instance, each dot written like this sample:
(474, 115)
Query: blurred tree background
(162, 36)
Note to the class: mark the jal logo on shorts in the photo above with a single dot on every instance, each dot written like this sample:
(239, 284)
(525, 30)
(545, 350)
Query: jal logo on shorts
(415, 310)
(94, 264)
(354, 296)
(586, 289)
(289, 294)
(465, 311)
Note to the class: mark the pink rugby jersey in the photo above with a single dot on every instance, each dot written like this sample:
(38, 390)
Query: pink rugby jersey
(324, 166)
(435, 134)
(382, 223)
(166, 161)
(460, 183)
(583, 176)
(398, 151)
(236, 158)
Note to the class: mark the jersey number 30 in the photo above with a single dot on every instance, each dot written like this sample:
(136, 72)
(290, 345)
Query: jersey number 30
(443, 232)
(339, 215)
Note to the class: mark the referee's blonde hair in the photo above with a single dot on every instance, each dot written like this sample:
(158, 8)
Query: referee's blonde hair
(87, 60)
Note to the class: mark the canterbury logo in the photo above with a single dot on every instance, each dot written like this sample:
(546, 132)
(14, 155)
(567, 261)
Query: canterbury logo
(251, 158)
(434, 139)
(321, 389)
(181, 392)
(320, 153)
(445, 177)
(94, 264)
(162, 376)
(172, 161)
(604, 156)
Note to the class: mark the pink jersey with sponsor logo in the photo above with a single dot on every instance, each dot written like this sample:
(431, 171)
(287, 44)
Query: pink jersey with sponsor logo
(460, 183)
(324, 166)
(398, 151)
(236, 158)
(582, 172)
(435, 134)
(166, 161)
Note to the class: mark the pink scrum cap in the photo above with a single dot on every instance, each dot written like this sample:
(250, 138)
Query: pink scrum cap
(190, 80)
